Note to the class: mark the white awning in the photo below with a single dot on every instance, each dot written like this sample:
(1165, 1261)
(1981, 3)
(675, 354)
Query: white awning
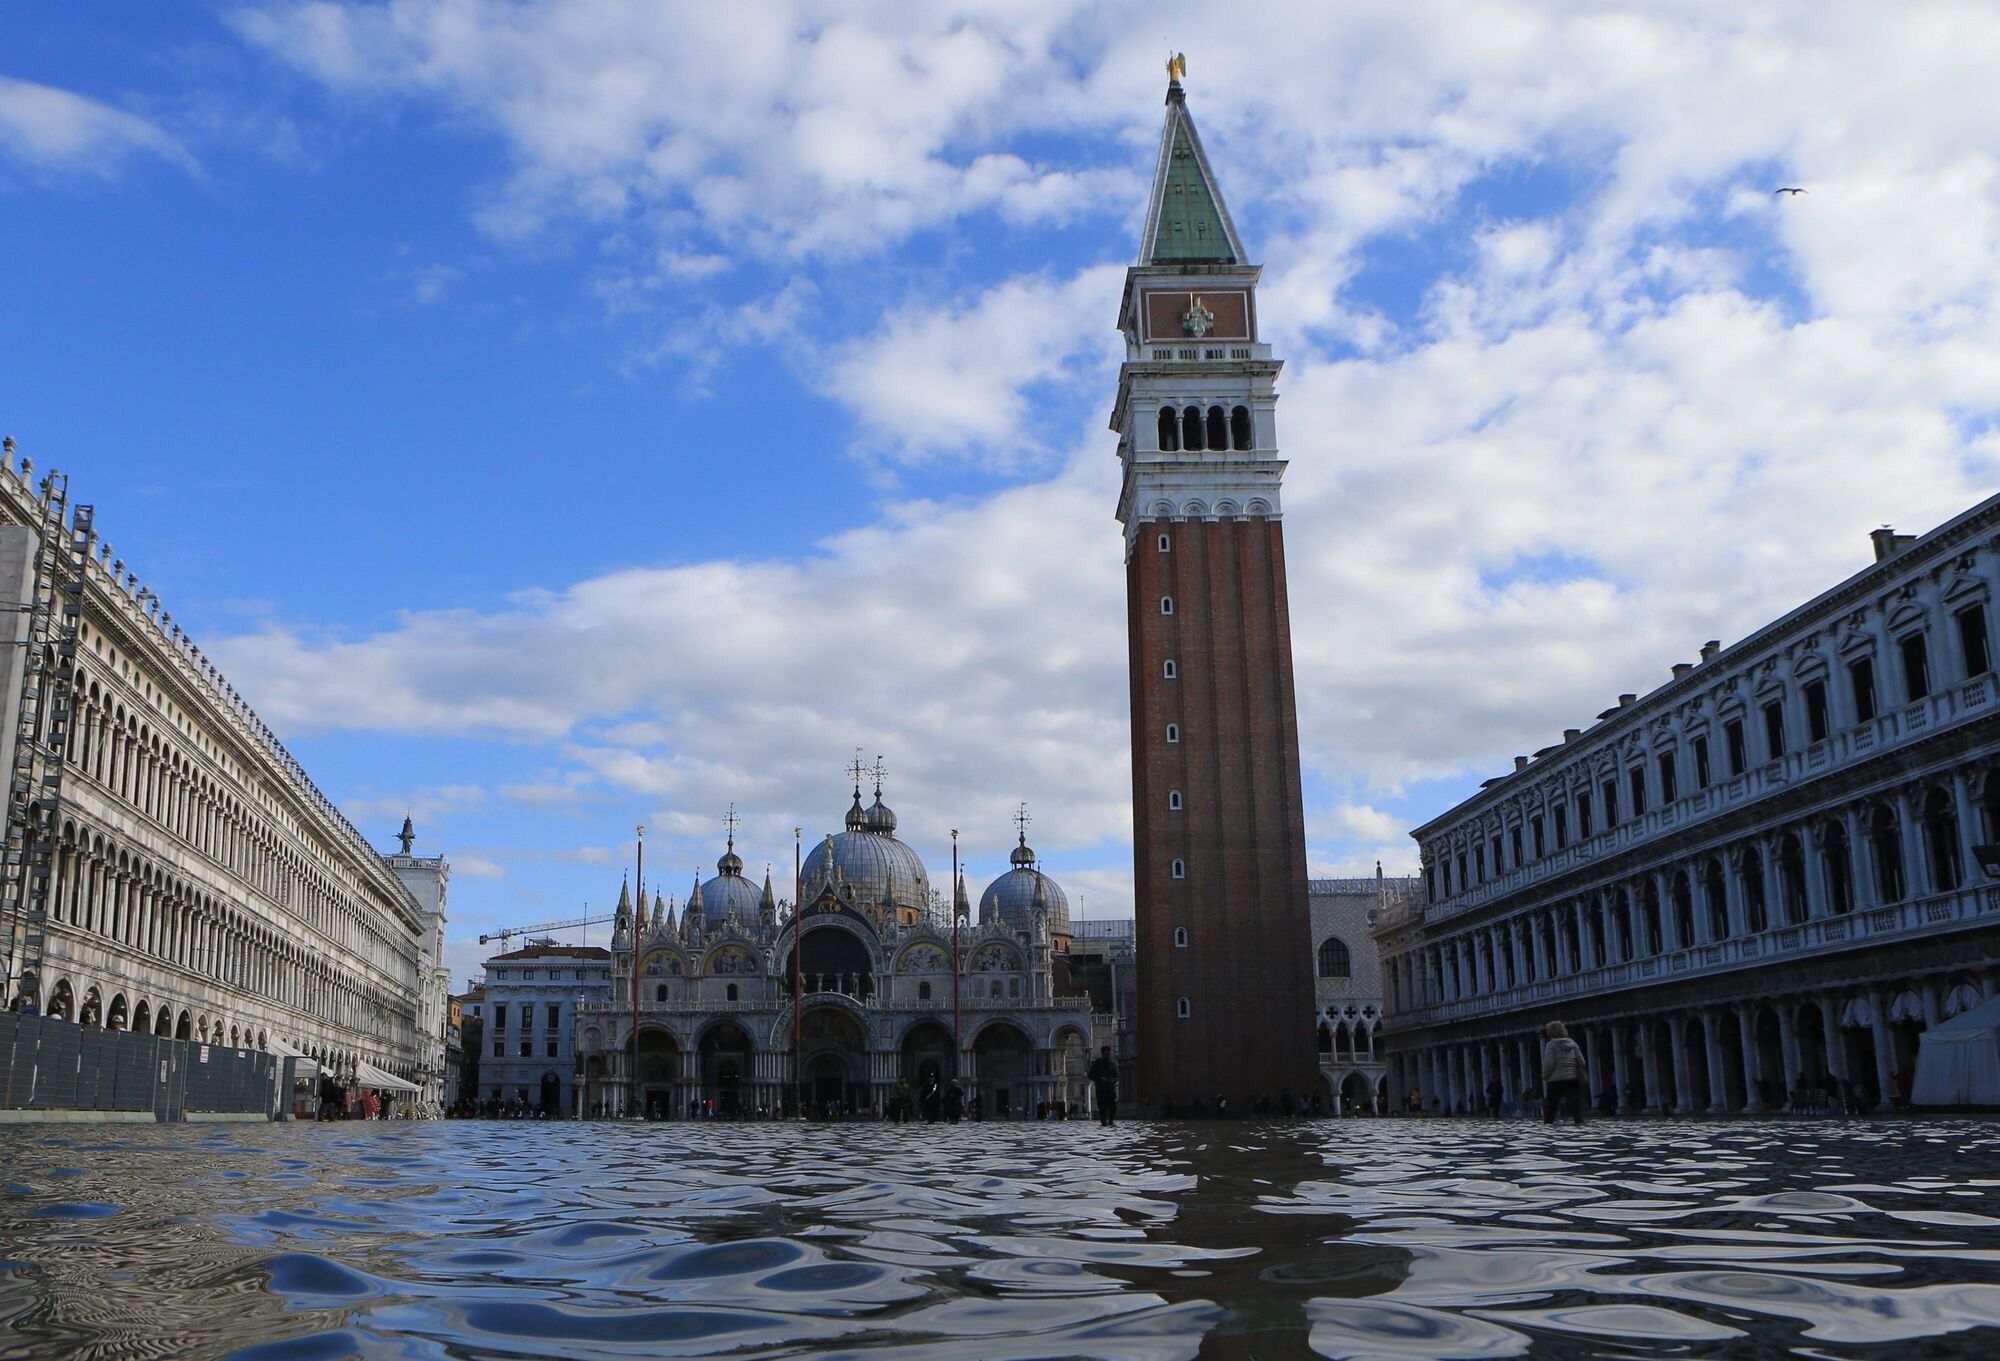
(367, 1074)
(307, 1066)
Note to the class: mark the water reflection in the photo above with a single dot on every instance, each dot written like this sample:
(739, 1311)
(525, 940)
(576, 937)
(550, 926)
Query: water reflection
(1362, 1239)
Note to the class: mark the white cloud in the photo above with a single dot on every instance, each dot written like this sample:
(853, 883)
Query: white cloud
(52, 129)
(1649, 404)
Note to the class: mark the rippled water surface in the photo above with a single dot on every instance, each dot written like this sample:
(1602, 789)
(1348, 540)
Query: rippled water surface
(1355, 1239)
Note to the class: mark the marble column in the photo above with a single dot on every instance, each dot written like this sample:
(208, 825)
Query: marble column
(1836, 1052)
(1746, 1029)
(1621, 1072)
(1683, 1084)
(1788, 1044)
(1718, 1069)
(1649, 1051)
(1885, 1048)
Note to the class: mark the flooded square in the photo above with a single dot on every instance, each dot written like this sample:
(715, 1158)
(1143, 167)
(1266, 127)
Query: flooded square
(1343, 1239)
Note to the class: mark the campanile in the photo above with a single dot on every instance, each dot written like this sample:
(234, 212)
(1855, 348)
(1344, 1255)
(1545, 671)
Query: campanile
(1225, 996)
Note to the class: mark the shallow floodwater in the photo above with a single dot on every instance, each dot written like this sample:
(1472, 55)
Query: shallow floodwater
(1353, 1239)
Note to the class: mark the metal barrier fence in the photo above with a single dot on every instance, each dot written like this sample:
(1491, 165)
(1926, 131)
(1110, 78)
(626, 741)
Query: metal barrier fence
(56, 1066)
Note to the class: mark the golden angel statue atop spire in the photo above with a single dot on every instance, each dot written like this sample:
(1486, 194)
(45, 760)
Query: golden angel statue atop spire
(1177, 67)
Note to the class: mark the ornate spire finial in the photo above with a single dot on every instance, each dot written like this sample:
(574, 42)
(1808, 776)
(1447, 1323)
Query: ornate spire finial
(1176, 68)
(730, 823)
(876, 771)
(408, 835)
(1021, 821)
(856, 769)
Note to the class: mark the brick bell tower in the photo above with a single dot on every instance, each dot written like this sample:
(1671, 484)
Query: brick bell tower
(1225, 989)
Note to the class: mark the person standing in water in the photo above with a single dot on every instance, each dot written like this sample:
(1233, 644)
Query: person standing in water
(1562, 1074)
(1103, 1076)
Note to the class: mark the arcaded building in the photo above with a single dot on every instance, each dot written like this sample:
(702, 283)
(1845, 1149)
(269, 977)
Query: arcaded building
(1347, 986)
(1764, 875)
(740, 1001)
(171, 867)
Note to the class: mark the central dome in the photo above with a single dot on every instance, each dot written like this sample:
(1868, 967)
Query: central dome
(868, 856)
(1015, 896)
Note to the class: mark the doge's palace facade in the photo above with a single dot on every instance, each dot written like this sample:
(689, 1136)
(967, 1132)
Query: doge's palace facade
(1764, 878)
(199, 884)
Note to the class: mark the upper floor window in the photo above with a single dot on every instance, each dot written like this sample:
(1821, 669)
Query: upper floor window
(1334, 961)
(1239, 428)
(923, 992)
(1180, 869)
(1166, 544)
(1701, 763)
(1562, 827)
(1174, 800)
(1611, 803)
(1166, 604)
(1669, 785)
(1774, 729)
(1972, 640)
(1583, 828)
(729, 994)
(1636, 779)
(1182, 1008)
(1479, 863)
(1861, 675)
(1916, 666)
(1817, 724)
(500, 1016)
(1170, 671)
(1180, 938)
(1541, 849)
(1173, 732)
(1739, 757)
(1514, 835)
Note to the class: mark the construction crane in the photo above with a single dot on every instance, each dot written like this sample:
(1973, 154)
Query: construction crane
(506, 937)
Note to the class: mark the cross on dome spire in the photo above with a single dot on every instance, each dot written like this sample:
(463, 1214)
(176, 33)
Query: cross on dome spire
(876, 770)
(1021, 821)
(730, 822)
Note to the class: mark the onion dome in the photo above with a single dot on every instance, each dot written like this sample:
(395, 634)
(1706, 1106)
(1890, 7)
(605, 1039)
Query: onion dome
(728, 892)
(857, 820)
(881, 818)
(1016, 896)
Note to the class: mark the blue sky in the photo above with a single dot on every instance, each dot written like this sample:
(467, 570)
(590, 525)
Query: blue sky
(561, 417)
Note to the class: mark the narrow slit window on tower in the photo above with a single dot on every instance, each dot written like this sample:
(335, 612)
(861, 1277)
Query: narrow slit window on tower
(1169, 670)
(1170, 430)
(1173, 732)
(1218, 428)
(1166, 604)
(1182, 1009)
(1166, 544)
(1174, 800)
(1239, 428)
(1180, 869)
(1180, 938)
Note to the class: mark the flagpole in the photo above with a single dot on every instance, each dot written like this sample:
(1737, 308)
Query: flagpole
(638, 913)
(954, 953)
(798, 966)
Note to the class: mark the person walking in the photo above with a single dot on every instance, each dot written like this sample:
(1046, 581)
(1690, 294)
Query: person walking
(1103, 1077)
(1494, 1094)
(1562, 1074)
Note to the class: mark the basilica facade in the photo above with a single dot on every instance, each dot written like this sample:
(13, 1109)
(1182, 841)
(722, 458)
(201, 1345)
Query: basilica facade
(741, 1002)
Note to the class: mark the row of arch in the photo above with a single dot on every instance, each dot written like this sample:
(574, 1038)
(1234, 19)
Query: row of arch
(1197, 431)
(1914, 842)
(109, 893)
(155, 776)
(89, 1007)
(1852, 1050)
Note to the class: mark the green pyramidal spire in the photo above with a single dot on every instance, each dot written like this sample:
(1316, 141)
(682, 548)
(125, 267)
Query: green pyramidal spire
(1186, 220)
(1190, 224)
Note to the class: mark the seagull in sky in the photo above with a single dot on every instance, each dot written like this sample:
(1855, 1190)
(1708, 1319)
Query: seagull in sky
(1788, 191)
